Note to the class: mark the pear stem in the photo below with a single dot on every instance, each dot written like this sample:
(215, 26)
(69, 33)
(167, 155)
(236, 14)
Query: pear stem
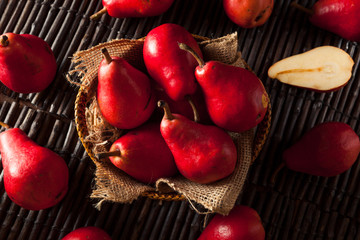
(302, 8)
(2, 124)
(276, 172)
(187, 48)
(167, 113)
(195, 112)
(4, 41)
(106, 55)
(98, 14)
(115, 153)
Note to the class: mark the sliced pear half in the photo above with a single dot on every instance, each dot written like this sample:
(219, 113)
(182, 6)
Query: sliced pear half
(324, 68)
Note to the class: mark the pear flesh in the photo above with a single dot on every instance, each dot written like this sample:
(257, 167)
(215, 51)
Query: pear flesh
(322, 69)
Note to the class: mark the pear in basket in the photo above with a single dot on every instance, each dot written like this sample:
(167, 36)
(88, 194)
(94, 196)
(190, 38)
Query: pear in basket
(124, 94)
(202, 153)
(235, 97)
(169, 66)
(143, 154)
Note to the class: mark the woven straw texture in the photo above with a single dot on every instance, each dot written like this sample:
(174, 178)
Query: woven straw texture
(295, 206)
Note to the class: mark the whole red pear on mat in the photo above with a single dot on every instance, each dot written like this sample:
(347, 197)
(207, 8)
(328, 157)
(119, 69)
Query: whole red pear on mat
(236, 99)
(87, 233)
(35, 177)
(124, 94)
(27, 63)
(327, 149)
(202, 153)
(248, 13)
(143, 154)
(172, 68)
(337, 16)
(242, 222)
(133, 8)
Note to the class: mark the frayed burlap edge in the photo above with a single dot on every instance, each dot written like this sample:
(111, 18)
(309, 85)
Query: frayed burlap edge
(220, 196)
(111, 184)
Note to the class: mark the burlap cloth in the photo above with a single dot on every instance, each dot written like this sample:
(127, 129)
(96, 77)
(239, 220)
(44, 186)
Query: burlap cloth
(111, 184)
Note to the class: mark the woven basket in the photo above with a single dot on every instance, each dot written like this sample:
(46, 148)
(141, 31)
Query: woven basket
(81, 104)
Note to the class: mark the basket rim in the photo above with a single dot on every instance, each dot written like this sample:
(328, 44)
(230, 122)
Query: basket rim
(261, 133)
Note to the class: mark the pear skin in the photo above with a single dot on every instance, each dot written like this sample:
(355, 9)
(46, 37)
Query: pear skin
(327, 150)
(143, 154)
(124, 93)
(172, 68)
(27, 63)
(248, 13)
(202, 153)
(337, 16)
(88, 233)
(133, 8)
(235, 97)
(35, 177)
(183, 107)
(243, 222)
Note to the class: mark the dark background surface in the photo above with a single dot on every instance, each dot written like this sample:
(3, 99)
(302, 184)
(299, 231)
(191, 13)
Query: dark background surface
(296, 206)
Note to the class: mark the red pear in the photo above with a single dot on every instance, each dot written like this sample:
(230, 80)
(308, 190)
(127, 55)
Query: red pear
(184, 108)
(126, 99)
(172, 68)
(87, 233)
(248, 13)
(35, 177)
(327, 149)
(242, 222)
(202, 153)
(27, 63)
(337, 16)
(143, 154)
(235, 97)
(133, 8)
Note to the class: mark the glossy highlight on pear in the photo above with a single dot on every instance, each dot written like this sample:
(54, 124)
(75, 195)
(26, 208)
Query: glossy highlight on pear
(337, 16)
(133, 8)
(184, 107)
(243, 222)
(124, 93)
(203, 153)
(235, 97)
(143, 154)
(35, 177)
(171, 67)
(248, 13)
(33, 56)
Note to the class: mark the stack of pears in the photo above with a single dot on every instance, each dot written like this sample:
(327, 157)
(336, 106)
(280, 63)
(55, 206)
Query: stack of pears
(201, 102)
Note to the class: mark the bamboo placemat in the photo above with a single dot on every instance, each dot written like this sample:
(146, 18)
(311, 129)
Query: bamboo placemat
(296, 206)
